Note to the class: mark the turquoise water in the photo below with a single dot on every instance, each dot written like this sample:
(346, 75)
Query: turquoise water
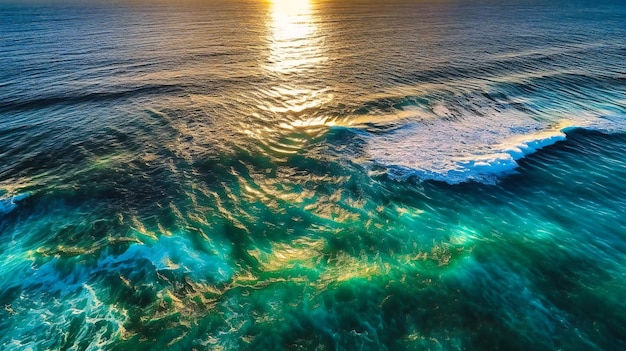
(313, 176)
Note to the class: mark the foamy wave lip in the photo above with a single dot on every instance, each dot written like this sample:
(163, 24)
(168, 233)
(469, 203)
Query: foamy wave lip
(483, 168)
(461, 148)
(10, 203)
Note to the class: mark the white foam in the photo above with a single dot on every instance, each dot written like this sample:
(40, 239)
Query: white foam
(465, 147)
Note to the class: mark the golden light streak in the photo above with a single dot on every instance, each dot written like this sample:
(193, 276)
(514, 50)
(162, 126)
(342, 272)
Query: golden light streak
(294, 41)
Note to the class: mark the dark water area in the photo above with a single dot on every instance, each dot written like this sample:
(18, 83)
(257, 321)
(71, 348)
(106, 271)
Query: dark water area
(312, 175)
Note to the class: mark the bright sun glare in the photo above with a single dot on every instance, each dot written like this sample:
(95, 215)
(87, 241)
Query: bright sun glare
(294, 38)
(291, 19)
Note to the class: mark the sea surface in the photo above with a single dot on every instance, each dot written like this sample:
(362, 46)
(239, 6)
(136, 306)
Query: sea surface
(313, 175)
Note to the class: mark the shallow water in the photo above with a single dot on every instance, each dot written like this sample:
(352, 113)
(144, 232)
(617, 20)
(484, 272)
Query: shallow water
(313, 175)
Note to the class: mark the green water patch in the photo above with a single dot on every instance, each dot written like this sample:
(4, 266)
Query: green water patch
(317, 253)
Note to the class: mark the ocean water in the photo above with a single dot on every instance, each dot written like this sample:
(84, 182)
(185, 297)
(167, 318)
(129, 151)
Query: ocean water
(313, 175)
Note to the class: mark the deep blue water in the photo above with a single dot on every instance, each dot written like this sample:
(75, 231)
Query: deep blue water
(313, 175)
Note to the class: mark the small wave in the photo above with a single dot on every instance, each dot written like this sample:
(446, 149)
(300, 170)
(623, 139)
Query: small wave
(33, 103)
(8, 204)
(483, 168)
(177, 254)
(477, 147)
